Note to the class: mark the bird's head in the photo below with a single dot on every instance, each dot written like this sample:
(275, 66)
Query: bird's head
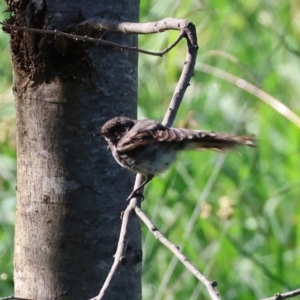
(114, 129)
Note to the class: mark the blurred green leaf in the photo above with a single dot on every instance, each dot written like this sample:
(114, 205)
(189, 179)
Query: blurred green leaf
(251, 245)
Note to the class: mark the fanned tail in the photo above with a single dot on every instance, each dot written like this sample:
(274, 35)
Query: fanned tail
(197, 139)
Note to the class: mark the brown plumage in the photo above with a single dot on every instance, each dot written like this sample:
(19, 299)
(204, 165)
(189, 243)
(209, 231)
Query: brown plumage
(149, 148)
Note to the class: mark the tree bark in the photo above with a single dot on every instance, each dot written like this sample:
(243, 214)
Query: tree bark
(70, 191)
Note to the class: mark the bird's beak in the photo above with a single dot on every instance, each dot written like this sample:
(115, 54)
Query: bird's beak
(97, 134)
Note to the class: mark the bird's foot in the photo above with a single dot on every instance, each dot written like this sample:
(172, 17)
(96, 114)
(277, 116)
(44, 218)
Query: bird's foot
(134, 194)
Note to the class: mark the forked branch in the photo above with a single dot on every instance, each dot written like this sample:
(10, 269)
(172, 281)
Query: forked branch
(210, 285)
(187, 30)
(83, 29)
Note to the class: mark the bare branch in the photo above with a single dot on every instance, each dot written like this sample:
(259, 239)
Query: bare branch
(97, 41)
(210, 285)
(186, 74)
(122, 244)
(188, 31)
(121, 249)
(131, 28)
(279, 296)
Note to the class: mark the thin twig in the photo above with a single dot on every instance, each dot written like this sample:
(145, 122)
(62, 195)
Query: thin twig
(103, 24)
(279, 296)
(122, 243)
(188, 31)
(186, 75)
(209, 285)
(175, 102)
(86, 38)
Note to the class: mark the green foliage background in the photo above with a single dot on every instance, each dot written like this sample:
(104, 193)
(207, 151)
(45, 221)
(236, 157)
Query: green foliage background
(236, 216)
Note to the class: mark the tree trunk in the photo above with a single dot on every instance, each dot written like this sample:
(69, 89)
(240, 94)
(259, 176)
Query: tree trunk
(70, 191)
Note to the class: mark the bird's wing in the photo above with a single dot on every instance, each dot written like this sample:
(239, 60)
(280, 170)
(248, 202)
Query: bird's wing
(148, 131)
(144, 132)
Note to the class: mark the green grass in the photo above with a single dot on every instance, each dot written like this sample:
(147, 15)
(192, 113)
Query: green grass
(235, 216)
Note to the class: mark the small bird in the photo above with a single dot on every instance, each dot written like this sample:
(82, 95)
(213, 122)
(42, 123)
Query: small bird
(149, 148)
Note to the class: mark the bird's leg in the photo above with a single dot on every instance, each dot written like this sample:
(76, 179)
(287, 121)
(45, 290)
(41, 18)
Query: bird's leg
(136, 193)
